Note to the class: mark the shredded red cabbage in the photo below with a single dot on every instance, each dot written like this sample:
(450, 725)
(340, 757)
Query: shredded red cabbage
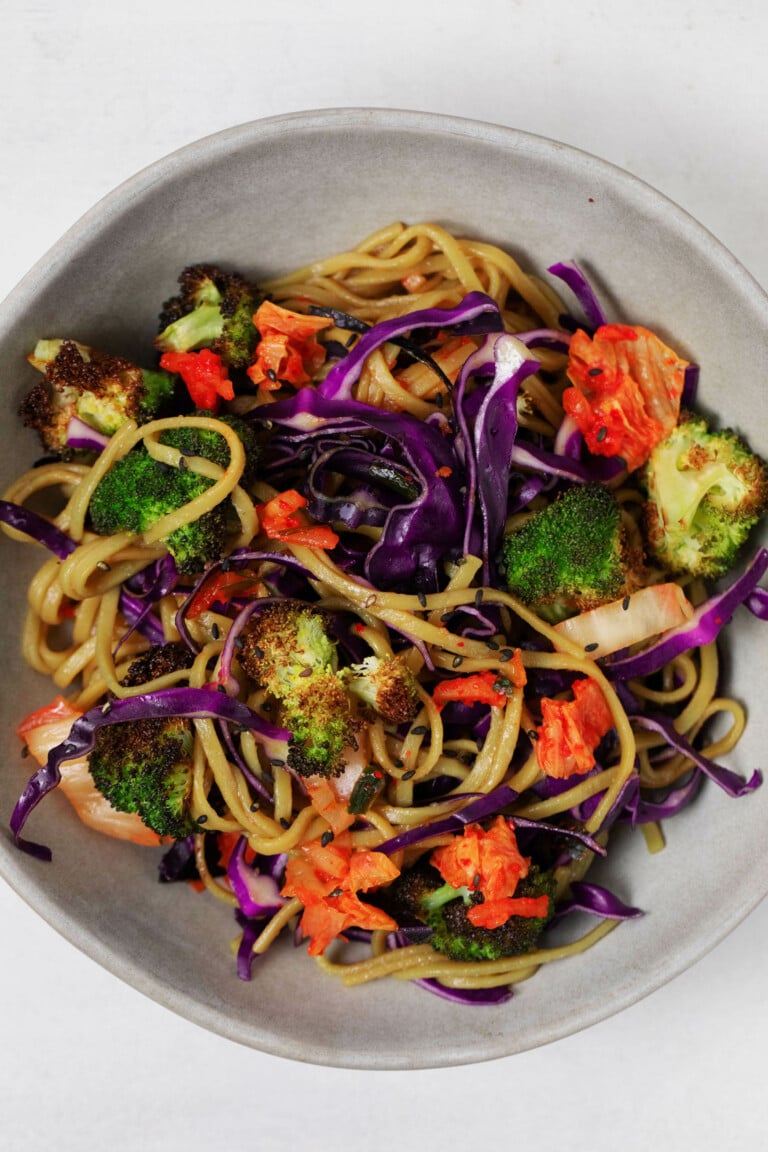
(156, 581)
(732, 784)
(570, 273)
(596, 901)
(493, 436)
(690, 386)
(246, 956)
(343, 376)
(178, 863)
(418, 533)
(551, 338)
(256, 885)
(82, 437)
(638, 810)
(469, 996)
(488, 804)
(138, 616)
(193, 703)
(40, 529)
(240, 557)
(702, 628)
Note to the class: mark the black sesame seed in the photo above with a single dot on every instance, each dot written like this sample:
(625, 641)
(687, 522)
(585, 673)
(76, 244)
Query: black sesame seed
(305, 672)
(326, 838)
(336, 892)
(284, 823)
(202, 819)
(419, 730)
(257, 652)
(478, 597)
(409, 774)
(457, 661)
(398, 763)
(276, 763)
(215, 631)
(625, 603)
(601, 435)
(476, 880)
(533, 734)
(505, 654)
(493, 645)
(272, 375)
(254, 807)
(591, 647)
(595, 372)
(422, 599)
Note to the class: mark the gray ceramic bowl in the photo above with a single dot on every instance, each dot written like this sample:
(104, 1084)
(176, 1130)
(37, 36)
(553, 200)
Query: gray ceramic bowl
(269, 196)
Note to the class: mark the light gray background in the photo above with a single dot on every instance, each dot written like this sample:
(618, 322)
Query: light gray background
(675, 92)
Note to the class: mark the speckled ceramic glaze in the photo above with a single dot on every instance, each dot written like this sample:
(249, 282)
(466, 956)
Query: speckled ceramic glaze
(266, 197)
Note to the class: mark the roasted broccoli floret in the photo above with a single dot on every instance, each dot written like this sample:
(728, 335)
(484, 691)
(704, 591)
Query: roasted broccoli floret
(321, 723)
(384, 684)
(214, 309)
(103, 391)
(421, 894)
(572, 556)
(706, 490)
(287, 650)
(145, 766)
(138, 490)
(193, 441)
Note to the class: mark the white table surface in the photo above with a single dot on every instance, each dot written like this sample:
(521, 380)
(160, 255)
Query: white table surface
(677, 93)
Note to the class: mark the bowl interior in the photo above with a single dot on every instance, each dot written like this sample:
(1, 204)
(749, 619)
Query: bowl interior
(267, 197)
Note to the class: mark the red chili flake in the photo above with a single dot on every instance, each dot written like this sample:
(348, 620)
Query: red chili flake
(444, 471)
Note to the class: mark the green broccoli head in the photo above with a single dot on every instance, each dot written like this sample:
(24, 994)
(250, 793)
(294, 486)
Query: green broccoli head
(103, 391)
(421, 894)
(287, 649)
(384, 684)
(138, 490)
(706, 490)
(286, 643)
(214, 309)
(318, 715)
(145, 766)
(194, 441)
(572, 556)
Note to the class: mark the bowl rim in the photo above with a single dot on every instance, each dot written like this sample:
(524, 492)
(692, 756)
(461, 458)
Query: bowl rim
(99, 217)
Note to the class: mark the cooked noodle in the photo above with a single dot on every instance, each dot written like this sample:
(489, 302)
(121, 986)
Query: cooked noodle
(83, 591)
